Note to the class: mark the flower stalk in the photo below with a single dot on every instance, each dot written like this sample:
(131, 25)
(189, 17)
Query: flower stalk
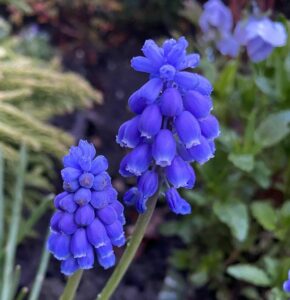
(129, 254)
(71, 286)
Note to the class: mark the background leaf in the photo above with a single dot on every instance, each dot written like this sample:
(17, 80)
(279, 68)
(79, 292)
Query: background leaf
(235, 216)
(273, 129)
(249, 273)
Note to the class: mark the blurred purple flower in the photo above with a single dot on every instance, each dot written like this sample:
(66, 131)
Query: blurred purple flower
(215, 17)
(286, 284)
(260, 35)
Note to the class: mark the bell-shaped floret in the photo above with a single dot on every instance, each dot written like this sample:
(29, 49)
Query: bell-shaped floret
(54, 221)
(188, 129)
(71, 186)
(103, 198)
(59, 245)
(202, 152)
(150, 121)
(79, 243)
(96, 233)
(107, 215)
(86, 180)
(106, 261)
(67, 224)
(69, 266)
(177, 204)
(197, 104)
(210, 127)
(153, 52)
(178, 173)
(102, 181)
(84, 215)
(129, 134)
(164, 148)
(171, 102)
(82, 196)
(67, 203)
(68, 174)
(138, 161)
(131, 196)
(99, 165)
(87, 262)
(148, 183)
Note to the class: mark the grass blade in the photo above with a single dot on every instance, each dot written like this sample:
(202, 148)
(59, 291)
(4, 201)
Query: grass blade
(38, 212)
(2, 207)
(23, 292)
(2, 213)
(14, 285)
(40, 273)
(14, 227)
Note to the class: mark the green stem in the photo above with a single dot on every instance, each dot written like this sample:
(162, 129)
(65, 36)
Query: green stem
(130, 251)
(71, 286)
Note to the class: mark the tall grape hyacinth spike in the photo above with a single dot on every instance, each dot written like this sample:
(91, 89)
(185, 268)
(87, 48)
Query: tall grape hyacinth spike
(173, 125)
(89, 219)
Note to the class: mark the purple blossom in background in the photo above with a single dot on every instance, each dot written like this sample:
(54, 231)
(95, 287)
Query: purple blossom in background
(89, 219)
(215, 17)
(228, 45)
(286, 285)
(216, 23)
(173, 125)
(260, 36)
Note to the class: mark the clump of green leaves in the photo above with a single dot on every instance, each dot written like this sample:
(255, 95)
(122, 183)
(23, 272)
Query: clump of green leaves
(31, 92)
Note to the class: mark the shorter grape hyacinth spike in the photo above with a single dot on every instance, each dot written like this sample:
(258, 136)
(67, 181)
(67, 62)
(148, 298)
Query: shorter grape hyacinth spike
(173, 125)
(89, 219)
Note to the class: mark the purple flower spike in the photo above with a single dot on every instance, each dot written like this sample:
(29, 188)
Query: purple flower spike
(173, 112)
(84, 212)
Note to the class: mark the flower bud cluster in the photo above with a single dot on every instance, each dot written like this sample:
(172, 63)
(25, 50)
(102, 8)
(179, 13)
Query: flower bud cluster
(89, 219)
(173, 125)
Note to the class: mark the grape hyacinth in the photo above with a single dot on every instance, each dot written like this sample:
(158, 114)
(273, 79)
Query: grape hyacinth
(89, 219)
(260, 35)
(173, 125)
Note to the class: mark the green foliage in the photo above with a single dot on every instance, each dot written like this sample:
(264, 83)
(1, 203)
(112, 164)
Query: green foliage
(9, 238)
(236, 242)
(31, 92)
(249, 273)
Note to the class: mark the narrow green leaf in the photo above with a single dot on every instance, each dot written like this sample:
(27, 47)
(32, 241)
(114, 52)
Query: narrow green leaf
(250, 274)
(14, 285)
(40, 273)
(273, 129)
(23, 292)
(265, 214)
(225, 83)
(2, 207)
(14, 227)
(235, 216)
(35, 216)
